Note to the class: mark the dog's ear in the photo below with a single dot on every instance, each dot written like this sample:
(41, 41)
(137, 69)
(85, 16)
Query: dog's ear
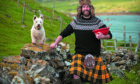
(34, 17)
(41, 16)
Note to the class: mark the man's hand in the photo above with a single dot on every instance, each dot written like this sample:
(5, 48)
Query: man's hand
(99, 35)
(53, 45)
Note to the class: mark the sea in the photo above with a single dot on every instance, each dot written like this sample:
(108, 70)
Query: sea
(123, 24)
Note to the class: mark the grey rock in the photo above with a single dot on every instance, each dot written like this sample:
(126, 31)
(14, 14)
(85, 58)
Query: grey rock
(118, 72)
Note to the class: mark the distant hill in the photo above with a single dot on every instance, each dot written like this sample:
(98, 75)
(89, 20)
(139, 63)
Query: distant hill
(14, 34)
(101, 6)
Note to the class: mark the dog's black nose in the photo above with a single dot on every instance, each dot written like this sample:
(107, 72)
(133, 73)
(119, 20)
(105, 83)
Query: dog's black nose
(38, 25)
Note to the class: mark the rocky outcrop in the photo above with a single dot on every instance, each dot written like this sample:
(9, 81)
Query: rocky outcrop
(44, 52)
(37, 64)
(122, 59)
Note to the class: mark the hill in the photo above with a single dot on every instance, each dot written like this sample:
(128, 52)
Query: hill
(101, 6)
(14, 34)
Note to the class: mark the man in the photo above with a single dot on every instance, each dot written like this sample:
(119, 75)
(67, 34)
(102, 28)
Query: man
(87, 44)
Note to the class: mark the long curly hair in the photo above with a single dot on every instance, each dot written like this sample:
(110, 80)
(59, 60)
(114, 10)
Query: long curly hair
(83, 2)
(79, 10)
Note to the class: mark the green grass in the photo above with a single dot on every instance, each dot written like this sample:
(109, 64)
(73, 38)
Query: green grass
(13, 36)
(101, 6)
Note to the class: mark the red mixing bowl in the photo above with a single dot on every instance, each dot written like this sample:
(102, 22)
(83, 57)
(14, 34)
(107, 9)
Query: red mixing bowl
(104, 31)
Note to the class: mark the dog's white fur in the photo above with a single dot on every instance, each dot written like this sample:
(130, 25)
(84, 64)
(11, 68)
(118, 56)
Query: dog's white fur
(37, 31)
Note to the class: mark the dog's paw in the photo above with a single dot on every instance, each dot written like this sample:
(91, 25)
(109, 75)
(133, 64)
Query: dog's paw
(33, 43)
(41, 43)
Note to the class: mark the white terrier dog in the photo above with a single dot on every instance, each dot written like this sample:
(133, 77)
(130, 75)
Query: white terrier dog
(37, 31)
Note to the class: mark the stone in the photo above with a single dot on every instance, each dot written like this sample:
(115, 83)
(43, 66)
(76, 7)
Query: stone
(118, 72)
(11, 59)
(4, 81)
(36, 64)
(41, 64)
(117, 58)
(122, 62)
(122, 59)
(44, 52)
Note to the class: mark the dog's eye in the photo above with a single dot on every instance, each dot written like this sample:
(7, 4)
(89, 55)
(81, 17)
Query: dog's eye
(36, 21)
(40, 22)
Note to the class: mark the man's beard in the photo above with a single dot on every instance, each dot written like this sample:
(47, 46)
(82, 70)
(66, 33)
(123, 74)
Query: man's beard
(89, 14)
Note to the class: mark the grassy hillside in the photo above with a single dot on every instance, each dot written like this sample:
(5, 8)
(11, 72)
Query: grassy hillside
(14, 34)
(101, 6)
